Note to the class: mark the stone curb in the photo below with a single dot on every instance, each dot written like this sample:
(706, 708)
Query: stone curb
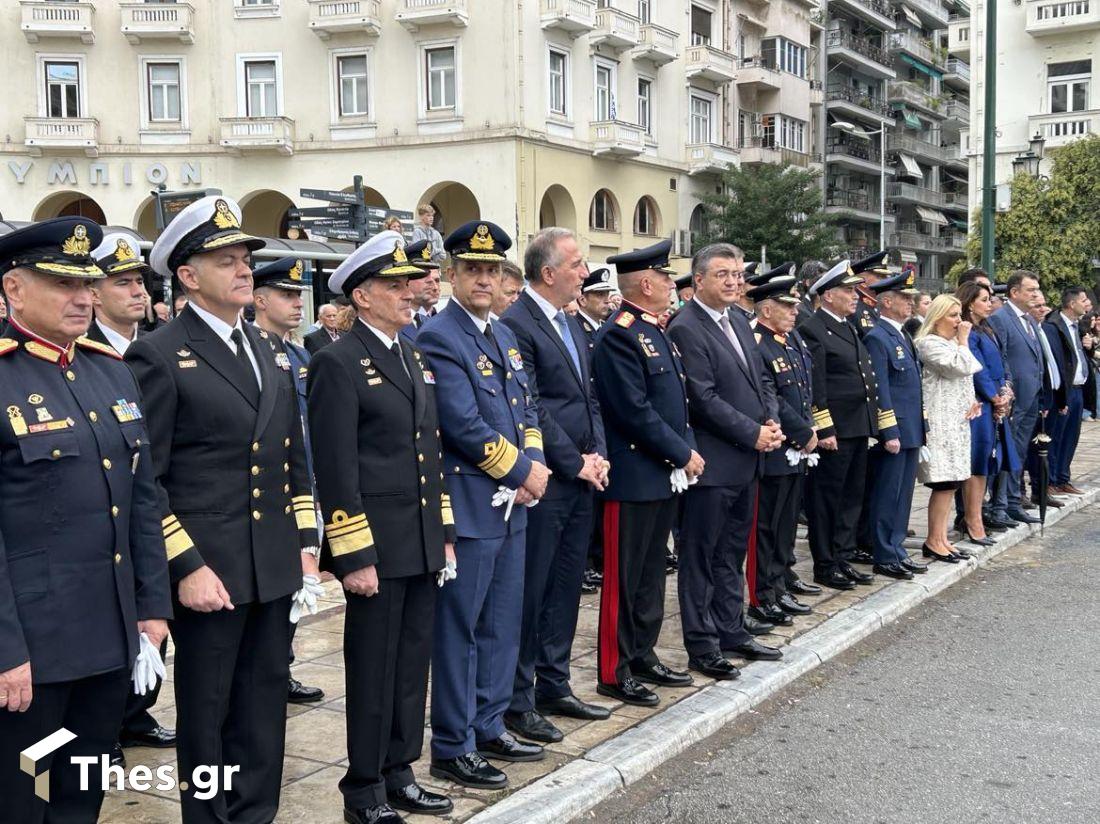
(620, 761)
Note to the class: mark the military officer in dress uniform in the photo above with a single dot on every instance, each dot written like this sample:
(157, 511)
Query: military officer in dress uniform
(787, 358)
(277, 302)
(82, 565)
(237, 509)
(872, 269)
(493, 461)
(420, 255)
(844, 399)
(388, 525)
(901, 426)
(640, 385)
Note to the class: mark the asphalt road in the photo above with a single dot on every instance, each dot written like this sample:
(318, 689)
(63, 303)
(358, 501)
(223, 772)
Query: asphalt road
(981, 705)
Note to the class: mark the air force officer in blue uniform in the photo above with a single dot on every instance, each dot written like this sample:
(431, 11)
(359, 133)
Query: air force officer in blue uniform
(491, 442)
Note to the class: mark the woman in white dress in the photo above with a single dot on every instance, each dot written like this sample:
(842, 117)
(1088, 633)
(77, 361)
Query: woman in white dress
(950, 405)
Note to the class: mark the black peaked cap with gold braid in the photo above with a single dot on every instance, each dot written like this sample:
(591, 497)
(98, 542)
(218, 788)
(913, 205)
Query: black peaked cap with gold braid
(61, 246)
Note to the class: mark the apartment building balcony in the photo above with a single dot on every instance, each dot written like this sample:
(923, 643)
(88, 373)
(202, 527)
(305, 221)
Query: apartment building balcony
(854, 204)
(956, 74)
(958, 37)
(954, 243)
(57, 20)
(574, 17)
(1060, 129)
(911, 193)
(158, 21)
(933, 13)
(412, 14)
(915, 96)
(878, 13)
(61, 134)
(925, 150)
(856, 154)
(757, 150)
(956, 158)
(709, 158)
(758, 74)
(331, 17)
(909, 237)
(817, 93)
(861, 53)
(247, 134)
(616, 138)
(1053, 17)
(956, 202)
(920, 48)
(956, 112)
(656, 44)
(617, 27)
(709, 63)
(857, 103)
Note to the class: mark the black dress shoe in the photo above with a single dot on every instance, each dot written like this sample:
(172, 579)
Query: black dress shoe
(412, 798)
(1028, 505)
(469, 770)
(672, 563)
(835, 580)
(507, 748)
(1051, 502)
(376, 814)
(159, 737)
(572, 707)
(592, 577)
(979, 541)
(770, 614)
(916, 567)
(790, 605)
(713, 665)
(910, 533)
(118, 758)
(588, 589)
(754, 627)
(299, 693)
(532, 726)
(893, 571)
(800, 587)
(630, 692)
(662, 676)
(861, 556)
(753, 650)
(991, 522)
(853, 574)
(1021, 516)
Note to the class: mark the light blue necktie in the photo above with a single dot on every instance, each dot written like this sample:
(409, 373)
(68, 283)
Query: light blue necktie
(567, 338)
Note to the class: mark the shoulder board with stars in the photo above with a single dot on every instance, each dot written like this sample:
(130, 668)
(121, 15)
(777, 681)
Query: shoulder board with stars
(8, 345)
(625, 320)
(96, 346)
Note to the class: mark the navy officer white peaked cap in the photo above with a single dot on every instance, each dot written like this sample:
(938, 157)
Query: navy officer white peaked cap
(210, 223)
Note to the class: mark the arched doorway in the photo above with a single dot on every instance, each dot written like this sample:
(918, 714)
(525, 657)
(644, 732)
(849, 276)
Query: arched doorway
(454, 205)
(70, 204)
(145, 219)
(557, 209)
(264, 213)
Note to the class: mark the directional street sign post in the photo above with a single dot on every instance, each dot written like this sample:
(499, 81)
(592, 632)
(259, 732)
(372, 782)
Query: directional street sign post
(347, 217)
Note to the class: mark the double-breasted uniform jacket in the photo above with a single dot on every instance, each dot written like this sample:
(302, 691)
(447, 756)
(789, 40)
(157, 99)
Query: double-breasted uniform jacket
(590, 329)
(81, 551)
(788, 360)
(234, 489)
(845, 392)
(900, 393)
(640, 383)
(375, 435)
(487, 415)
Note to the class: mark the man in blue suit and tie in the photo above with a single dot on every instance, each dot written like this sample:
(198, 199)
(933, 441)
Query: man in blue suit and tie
(900, 426)
(492, 450)
(555, 359)
(1023, 355)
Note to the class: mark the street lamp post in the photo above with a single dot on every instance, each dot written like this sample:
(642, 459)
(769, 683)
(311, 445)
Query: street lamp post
(850, 128)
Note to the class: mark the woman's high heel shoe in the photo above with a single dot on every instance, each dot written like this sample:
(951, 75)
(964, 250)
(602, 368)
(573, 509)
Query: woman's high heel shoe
(928, 552)
(978, 541)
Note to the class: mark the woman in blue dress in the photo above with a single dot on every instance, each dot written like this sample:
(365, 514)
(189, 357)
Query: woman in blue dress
(991, 444)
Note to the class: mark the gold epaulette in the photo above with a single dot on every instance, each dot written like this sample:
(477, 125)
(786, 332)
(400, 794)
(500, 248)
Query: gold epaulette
(96, 346)
(625, 320)
(8, 345)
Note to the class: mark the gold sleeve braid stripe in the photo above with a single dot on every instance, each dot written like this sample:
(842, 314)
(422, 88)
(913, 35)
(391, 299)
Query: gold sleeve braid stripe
(500, 457)
(532, 438)
(305, 515)
(346, 535)
(886, 419)
(822, 418)
(176, 539)
(448, 513)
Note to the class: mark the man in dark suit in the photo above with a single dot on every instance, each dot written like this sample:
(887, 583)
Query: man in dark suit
(732, 410)
(388, 526)
(237, 509)
(326, 334)
(640, 384)
(83, 577)
(552, 346)
(845, 398)
(1052, 382)
(1074, 368)
(420, 254)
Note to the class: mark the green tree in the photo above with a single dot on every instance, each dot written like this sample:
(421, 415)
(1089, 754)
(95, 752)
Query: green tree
(773, 206)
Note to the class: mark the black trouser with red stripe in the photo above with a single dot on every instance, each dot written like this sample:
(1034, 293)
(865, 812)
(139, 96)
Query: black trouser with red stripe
(632, 601)
(776, 526)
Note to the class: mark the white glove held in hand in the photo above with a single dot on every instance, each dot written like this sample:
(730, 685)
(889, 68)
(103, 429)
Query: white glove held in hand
(448, 573)
(793, 456)
(507, 496)
(148, 666)
(305, 599)
(812, 459)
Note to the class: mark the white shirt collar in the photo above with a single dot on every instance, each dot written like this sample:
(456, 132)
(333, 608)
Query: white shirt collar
(1020, 313)
(893, 323)
(715, 314)
(833, 315)
(546, 306)
(478, 322)
(387, 341)
(222, 329)
(1066, 320)
(595, 323)
(118, 343)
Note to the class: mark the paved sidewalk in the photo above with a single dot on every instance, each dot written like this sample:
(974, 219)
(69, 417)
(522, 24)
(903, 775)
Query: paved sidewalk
(316, 753)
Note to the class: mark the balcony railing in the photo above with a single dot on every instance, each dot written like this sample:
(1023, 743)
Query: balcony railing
(934, 9)
(616, 26)
(957, 110)
(913, 94)
(711, 158)
(1060, 16)
(917, 194)
(329, 17)
(759, 72)
(412, 14)
(860, 45)
(572, 16)
(44, 19)
(857, 149)
(614, 137)
(910, 238)
(959, 68)
(258, 133)
(656, 44)
(919, 47)
(916, 146)
(1060, 129)
(878, 7)
(62, 134)
(158, 21)
(846, 94)
(711, 63)
(858, 199)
